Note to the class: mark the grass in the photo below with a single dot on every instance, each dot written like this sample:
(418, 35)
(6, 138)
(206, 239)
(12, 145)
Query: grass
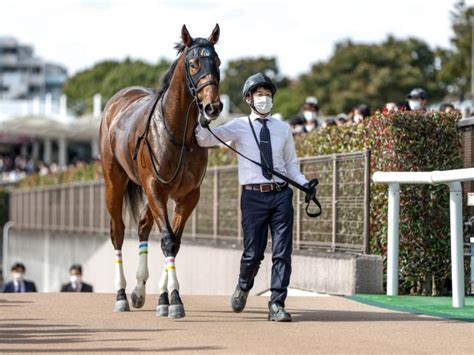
(432, 306)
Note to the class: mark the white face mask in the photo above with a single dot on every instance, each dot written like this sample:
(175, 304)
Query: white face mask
(75, 279)
(17, 276)
(263, 104)
(414, 104)
(309, 115)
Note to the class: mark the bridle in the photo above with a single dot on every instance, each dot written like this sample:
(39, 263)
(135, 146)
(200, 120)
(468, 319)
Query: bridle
(205, 52)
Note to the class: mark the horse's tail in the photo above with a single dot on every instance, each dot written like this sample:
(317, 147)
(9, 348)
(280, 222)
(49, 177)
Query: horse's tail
(133, 199)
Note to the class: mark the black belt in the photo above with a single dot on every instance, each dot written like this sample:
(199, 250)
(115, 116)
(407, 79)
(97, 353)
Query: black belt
(266, 187)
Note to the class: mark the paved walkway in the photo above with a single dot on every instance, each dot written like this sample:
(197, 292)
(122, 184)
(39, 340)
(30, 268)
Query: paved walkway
(85, 323)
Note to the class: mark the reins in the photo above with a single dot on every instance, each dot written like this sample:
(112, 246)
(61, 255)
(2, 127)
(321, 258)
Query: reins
(310, 191)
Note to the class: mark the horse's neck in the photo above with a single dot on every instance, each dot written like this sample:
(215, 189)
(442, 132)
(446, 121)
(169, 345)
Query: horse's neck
(176, 102)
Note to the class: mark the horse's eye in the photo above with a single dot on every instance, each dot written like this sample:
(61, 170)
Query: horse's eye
(193, 65)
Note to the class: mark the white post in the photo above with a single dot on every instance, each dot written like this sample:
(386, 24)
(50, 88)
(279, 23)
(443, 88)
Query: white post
(35, 150)
(47, 148)
(63, 105)
(6, 236)
(457, 258)
(95, 148)
(97, 106)
(62, 154)
(225, 106)
(393, 238)
(48, 104)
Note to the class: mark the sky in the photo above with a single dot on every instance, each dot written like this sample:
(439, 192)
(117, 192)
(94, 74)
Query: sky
(79, 33)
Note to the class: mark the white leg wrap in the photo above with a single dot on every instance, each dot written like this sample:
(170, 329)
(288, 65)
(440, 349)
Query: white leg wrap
(142, 271)
(119, 275)
(164, 281)
(172, 279)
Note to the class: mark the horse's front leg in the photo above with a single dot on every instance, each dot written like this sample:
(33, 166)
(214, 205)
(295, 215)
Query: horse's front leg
(170, 244)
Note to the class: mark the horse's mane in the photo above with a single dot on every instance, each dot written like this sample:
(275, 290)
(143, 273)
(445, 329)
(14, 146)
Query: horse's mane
(165, 82)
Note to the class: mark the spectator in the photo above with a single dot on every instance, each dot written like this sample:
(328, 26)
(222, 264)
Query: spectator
(446, 107)
(19, 284)
(76, 284)
(297, 126)
(330, 122)
(341, 119)
(360, 112)
(309, 114)
(390, 107)
(417, 100)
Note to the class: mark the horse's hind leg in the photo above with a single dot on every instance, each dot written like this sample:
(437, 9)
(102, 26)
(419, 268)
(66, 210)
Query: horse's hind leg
(115, 180)
(144, 227)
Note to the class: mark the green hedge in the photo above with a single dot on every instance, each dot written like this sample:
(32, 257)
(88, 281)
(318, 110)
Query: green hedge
(87, 172)
(411, 141)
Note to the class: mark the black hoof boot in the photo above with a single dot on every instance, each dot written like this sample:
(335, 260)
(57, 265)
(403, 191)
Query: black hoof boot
(176, 308)
(163, 305)
(121, 305)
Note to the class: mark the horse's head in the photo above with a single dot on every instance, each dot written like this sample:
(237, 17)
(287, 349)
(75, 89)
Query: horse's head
(201, 64)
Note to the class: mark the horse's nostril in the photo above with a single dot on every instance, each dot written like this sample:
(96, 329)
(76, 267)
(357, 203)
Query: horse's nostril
(209, 109)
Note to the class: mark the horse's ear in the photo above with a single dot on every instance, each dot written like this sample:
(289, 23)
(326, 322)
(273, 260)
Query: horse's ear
(214, 37)
(186, 37)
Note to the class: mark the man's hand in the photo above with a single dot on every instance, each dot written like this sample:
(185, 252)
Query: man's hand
(311, 186)
(203, 121)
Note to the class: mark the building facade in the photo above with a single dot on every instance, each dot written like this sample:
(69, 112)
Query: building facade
(25, 76)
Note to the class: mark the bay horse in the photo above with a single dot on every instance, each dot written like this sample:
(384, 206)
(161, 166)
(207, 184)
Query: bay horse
(148, 149)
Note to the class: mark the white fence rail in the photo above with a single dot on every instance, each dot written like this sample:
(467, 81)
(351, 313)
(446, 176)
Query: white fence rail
(453, 179)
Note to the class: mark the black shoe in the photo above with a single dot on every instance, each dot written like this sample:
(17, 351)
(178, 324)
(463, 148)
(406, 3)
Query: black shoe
(238, 299)
(277, 313)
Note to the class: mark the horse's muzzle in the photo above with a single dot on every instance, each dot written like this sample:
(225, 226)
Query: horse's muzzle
(212, 110)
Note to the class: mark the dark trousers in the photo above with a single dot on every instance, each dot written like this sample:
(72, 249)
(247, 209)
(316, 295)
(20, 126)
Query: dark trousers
(260, 211)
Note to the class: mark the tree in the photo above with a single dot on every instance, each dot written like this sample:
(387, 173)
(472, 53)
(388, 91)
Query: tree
(239, 70)
(371, 73)
(455, 70)
(107, 78)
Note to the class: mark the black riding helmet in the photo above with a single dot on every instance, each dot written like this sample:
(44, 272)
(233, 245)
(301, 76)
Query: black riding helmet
(256, 80)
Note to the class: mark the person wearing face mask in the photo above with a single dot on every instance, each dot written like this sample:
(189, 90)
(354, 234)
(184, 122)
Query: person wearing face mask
(416, 100)
(359, 113)
(18, 283)
(266, 201)
(309, 114)
(76, 284)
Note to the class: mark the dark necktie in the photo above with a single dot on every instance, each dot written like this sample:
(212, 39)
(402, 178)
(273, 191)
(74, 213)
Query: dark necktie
(265, 149)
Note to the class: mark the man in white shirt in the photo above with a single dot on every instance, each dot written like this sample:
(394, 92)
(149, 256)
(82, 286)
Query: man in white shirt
(266, 200)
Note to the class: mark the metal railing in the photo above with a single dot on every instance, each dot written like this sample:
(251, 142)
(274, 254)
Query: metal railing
(343, 191)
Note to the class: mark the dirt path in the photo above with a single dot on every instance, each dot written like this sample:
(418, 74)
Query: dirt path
(85, 323)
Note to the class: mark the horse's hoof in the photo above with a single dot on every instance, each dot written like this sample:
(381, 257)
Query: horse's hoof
(122, 306)
(138, 298)
(176, 311)
(162, 310)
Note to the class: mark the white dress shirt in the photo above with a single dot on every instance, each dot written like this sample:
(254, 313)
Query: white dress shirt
(19, 286)
(238, 131)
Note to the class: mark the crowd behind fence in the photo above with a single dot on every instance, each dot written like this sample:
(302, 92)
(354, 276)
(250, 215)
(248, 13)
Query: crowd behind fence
(343, 191)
